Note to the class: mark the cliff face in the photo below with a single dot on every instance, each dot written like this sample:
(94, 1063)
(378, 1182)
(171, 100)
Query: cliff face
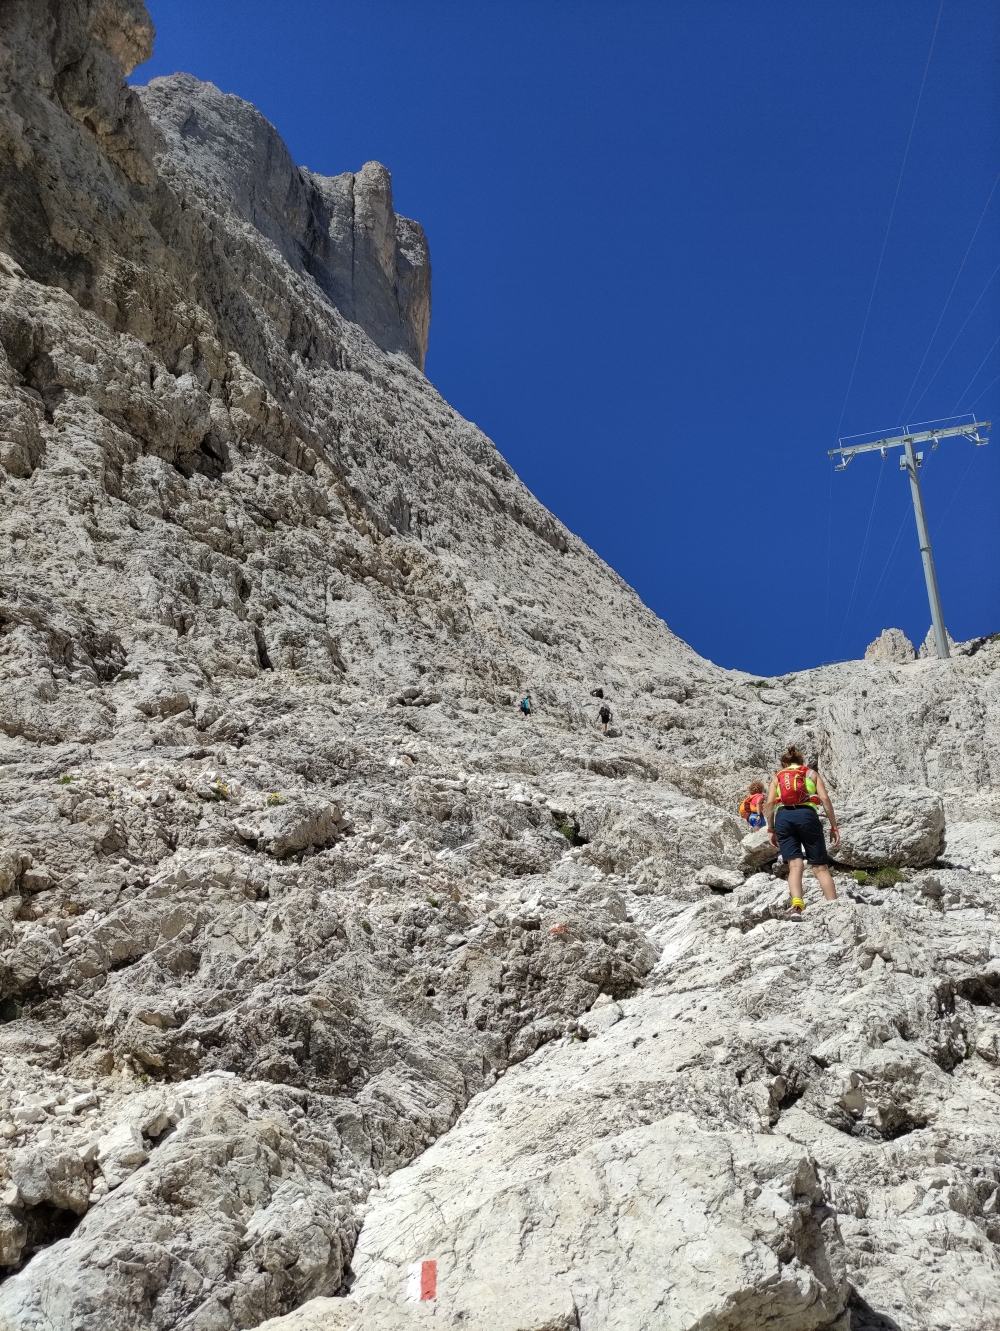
(285, 878)
(86, 197)
(340, 231)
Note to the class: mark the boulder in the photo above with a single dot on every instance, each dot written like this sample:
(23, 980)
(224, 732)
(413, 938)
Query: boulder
(719, 880)
(667, 1223)
(50, 1173)
(120, 1152)
(757, 850)
(892, 825)
(281, 829)
(891, 646)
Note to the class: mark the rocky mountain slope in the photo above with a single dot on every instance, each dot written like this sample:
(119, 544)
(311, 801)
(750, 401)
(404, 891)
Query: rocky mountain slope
(288, 884)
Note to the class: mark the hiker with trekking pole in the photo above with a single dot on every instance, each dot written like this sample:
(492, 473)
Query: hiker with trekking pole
(793, 798)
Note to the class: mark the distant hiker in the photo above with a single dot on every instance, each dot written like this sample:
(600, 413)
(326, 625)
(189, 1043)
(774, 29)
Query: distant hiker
(525, 705)
(604, 716)
(752, 806)
(793, 797)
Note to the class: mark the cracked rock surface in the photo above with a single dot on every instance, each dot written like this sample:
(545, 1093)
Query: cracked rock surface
(288, 889)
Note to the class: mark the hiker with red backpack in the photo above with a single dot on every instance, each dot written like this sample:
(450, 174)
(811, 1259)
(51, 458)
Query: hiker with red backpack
(793, 798)
(752, 806)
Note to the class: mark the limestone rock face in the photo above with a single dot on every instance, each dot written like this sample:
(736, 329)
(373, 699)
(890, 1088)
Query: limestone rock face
(891, 646)
(559, 1222)
(892, 825)
(341, 232)
(287, 883)
(810, 1143)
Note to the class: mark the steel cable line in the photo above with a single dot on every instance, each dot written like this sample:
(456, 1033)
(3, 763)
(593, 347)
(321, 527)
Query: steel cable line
(961, 269)
(861, 560)
(977, 374)
(956, 337)
(864, 326)
(892, 213)
(885, 569)
(985, 391)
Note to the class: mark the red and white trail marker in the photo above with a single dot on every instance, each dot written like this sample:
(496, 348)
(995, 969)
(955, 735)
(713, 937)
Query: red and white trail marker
(421, 1281)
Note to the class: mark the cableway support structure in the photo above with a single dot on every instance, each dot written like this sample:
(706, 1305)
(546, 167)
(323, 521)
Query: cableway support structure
(911, 462)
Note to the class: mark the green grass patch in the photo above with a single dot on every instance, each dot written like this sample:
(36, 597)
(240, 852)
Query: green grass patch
(889, 876)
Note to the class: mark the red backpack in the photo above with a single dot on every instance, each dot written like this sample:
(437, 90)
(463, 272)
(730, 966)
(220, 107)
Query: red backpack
(792, 786)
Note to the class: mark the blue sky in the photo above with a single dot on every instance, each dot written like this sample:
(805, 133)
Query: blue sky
(655, 230)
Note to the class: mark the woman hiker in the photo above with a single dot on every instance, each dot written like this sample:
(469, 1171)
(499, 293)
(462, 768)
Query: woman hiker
(793, 823)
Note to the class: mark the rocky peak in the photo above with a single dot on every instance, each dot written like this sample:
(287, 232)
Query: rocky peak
(341, 231)
(891, 646)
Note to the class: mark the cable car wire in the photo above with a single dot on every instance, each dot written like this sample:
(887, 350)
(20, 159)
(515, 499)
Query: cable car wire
(961, 269)
(892, 213)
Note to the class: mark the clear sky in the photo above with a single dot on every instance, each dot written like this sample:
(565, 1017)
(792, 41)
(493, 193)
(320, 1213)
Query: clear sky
(655, 230)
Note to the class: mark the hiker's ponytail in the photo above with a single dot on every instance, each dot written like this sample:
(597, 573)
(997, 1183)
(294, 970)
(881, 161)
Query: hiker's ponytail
(792, 757)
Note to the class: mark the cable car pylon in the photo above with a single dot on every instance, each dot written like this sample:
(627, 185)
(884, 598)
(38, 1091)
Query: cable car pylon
(911, 462)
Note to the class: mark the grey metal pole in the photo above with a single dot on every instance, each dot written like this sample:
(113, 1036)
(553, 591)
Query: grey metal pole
(937, 618)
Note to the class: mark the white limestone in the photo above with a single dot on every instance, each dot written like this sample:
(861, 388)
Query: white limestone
(287, 885)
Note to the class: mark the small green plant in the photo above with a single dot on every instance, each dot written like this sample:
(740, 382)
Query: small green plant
(218, 791)
(758, 684)
(888, 877)
(433, 901)
(366, 926)
(64, 780)
(275, 798)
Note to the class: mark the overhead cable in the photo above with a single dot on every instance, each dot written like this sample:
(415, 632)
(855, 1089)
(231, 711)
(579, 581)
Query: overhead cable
(954, 284)
(892, 211)
(957, 336)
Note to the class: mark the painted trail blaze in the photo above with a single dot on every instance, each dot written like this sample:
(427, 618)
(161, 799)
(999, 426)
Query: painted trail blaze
(421, 1281)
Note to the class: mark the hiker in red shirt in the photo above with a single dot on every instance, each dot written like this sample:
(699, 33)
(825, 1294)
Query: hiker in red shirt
(793, 798)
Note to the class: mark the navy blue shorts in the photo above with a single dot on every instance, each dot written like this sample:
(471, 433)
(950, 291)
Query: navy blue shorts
(800, 835)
